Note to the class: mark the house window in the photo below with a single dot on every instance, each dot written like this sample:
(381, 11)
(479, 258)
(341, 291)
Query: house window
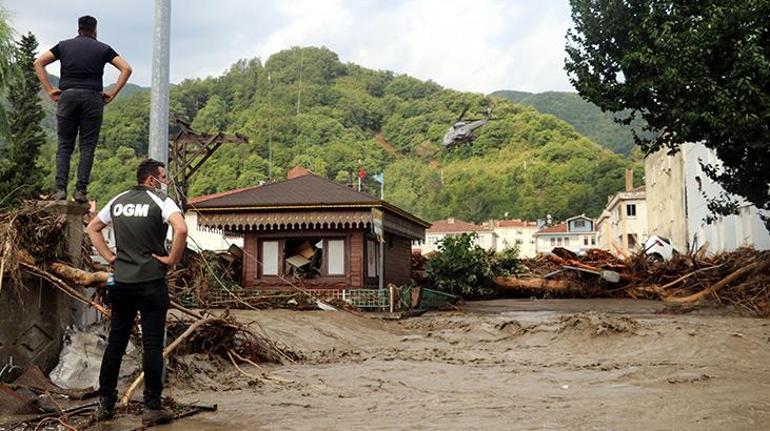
(336, 256)
(585, 240)
(303, 257)
(270, 258)
(593, 240)
(631, 210)
(566, 241)
(553, 241)
(580, 223)
(559, 241)
(371, 258)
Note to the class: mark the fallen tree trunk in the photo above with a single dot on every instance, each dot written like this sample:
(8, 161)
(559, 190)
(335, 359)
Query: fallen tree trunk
(61, 285)
(78, 276)
(542, 284)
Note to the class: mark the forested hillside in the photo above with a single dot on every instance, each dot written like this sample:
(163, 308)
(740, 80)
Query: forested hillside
(311, 109)
(587, 118)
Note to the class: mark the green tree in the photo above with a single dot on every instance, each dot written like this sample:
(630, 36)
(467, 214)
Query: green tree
(212, 118)
(18, 171)
(694, 71)
(7, 68)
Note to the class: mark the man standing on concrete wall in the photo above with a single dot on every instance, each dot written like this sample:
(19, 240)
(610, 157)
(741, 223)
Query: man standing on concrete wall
(140, 218)
(80, 99)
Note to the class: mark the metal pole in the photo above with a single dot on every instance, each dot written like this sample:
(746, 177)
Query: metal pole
(158, 146)
(382, 262)
(270, 128)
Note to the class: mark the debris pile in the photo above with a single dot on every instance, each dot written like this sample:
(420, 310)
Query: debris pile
(740, 278)
(199, 275)
(29, 236)
(224, 336)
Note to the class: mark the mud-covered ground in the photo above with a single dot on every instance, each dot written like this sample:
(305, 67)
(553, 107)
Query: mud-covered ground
(506, 364)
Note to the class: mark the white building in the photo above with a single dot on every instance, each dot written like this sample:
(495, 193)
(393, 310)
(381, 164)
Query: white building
(677, 191)
(623, 224)
(487, 239)
(203, 238)
(516, 233)
(576, 234)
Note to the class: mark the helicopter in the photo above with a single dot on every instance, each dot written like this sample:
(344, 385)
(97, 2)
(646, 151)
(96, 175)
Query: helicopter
(461, 132)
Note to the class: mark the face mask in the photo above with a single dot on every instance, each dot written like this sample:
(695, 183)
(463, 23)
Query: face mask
(162, 188)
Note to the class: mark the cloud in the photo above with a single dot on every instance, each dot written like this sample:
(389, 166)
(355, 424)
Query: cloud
(479, 46)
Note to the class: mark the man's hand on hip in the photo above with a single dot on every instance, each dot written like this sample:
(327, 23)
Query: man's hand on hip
(54, 94)
(107, 97)
(166, 260)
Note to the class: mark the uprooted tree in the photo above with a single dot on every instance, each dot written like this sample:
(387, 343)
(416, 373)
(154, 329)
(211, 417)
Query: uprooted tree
(694, 71)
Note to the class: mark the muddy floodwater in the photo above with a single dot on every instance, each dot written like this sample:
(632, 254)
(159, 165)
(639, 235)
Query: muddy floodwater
(504, 364)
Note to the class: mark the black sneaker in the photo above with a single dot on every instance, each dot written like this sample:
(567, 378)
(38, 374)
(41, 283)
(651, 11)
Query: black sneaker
(152, 417)
(80, 196)
(60, 195)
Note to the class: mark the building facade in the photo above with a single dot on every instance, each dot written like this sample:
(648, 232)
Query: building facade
(623, 224)
(677, 191)
(576, 234)
(313, 232)
(486, 237)
(516, 233)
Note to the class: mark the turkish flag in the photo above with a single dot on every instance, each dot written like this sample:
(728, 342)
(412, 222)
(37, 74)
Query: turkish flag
(361, 172)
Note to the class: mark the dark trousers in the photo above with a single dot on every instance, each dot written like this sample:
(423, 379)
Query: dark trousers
(79, 112)
(150, 299)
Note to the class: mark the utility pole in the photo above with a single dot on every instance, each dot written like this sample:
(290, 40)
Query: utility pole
(158, 146)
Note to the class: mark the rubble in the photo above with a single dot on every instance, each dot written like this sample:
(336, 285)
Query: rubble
(740, 278)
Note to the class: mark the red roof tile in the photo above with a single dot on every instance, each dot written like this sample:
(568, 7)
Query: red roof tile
(515, 223)
(557, 228)
(455, 226)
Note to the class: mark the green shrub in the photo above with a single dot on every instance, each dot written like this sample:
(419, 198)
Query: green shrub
(463, 268)
(508, 261)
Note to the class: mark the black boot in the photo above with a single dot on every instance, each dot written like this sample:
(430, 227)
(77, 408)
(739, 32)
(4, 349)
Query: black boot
(106, 409)
(80, 196)
(60, 195)
(154, 413)
(158, 416)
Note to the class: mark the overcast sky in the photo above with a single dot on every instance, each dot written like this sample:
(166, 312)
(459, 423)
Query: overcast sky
(470, 45)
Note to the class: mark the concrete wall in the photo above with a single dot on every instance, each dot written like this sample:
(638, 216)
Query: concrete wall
(677, 208)
(727, 233)
(604, 231)
(665, 192)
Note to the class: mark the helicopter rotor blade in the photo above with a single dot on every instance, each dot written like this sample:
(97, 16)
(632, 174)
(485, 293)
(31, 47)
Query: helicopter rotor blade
(463, 113)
